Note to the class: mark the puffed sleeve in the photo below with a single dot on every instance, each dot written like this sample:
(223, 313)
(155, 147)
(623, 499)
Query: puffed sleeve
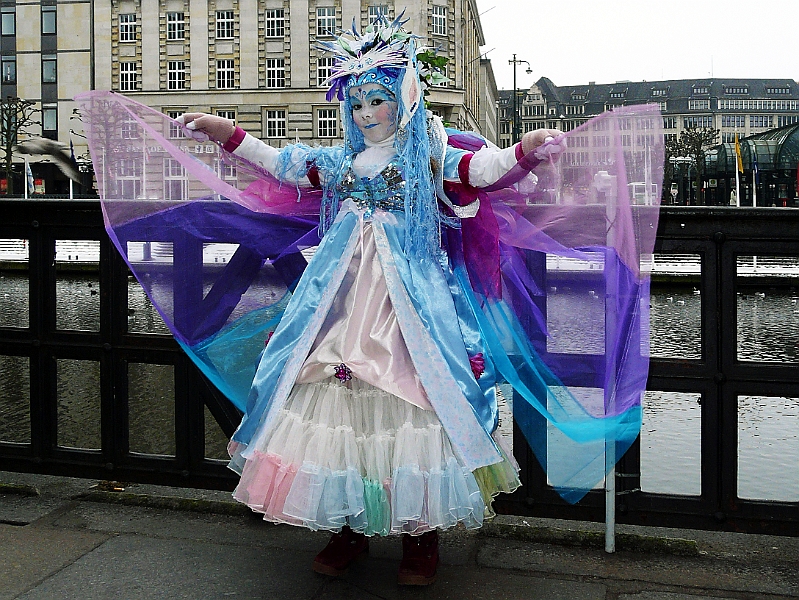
(250, 148)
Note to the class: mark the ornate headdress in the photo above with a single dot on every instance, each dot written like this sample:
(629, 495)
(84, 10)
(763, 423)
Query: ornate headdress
(384, 46)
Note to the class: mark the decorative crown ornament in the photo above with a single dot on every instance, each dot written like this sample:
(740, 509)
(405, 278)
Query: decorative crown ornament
(383, 44)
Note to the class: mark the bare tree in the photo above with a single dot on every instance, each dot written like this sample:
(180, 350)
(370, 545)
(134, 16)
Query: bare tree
(16, 115)
(694, 143)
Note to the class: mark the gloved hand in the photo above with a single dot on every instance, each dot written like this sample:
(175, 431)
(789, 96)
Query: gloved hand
(547, 144)
(203, 127)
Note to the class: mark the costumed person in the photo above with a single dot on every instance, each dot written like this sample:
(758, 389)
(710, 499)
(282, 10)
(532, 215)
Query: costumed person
(344, 430)
(372, 409)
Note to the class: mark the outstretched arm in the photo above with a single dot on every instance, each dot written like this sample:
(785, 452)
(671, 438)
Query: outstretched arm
(488, 165)
(237, 141)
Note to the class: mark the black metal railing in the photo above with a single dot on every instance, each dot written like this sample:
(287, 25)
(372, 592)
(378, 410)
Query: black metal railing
(718, 236)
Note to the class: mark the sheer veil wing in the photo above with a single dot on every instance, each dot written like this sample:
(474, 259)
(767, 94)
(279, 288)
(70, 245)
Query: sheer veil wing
(215, 242)
(558, 276)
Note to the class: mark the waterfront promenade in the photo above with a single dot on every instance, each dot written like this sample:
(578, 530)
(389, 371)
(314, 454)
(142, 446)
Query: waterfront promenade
(63, 538)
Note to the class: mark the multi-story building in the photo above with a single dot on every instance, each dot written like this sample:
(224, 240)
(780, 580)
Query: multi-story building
(257, 61)
(745, 106)
(46, 50)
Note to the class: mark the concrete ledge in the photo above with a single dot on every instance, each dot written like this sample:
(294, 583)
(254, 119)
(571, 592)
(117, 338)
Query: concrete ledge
(519, 529)
(200, 505)
(20, 489)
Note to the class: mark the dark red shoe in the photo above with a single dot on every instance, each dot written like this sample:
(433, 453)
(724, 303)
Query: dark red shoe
(419, 559)
(342, 549)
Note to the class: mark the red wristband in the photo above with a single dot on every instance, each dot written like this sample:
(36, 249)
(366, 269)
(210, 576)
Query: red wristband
(235, 140)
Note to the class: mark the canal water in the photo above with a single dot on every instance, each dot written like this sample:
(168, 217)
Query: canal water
(768, 427)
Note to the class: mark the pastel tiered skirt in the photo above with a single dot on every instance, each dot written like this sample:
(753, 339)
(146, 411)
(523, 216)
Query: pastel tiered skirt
(352, 454)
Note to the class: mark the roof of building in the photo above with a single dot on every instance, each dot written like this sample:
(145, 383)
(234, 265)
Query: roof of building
(675, 92)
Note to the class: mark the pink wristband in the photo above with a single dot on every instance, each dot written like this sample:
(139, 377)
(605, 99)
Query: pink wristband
(519, 151)
(235, 140)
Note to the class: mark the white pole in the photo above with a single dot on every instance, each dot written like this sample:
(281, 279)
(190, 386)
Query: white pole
(70, 190)
(25, 179)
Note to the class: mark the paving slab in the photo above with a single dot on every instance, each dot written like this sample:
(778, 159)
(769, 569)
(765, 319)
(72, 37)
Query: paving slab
(31, 554)
(700, 572)
(142, 568)
(668, 596)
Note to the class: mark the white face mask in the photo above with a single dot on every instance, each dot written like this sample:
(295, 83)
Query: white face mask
(374, 111)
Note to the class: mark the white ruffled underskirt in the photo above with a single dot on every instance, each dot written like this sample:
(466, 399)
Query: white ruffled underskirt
(352, 454)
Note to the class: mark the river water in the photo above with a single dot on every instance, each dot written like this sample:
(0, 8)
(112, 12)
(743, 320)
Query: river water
(768, 427)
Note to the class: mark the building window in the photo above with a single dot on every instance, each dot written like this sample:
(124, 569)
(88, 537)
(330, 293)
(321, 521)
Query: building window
(659, 92)
(175, 130)
(733, 121)
(669, 122)
(769, 90)
(327, 122)
(439, 20)
(575, 110)
(48, 20)
(375, 10)
(176, 185)
(176, 75)
(783, 120)
(129, 130)
(275, 72)
(9, 65)
(276, 123)
(504, 127)
(49, 68)
(226, 113)
(127, 27)
(49, 119)
(699, 104)
(621, 94)
(175, 26)
(225, 74)
(323, 67)
(128, 178)
(736, 90)
(8, 21)
(275, 23)
(695, 122)
(702, 89)
(325, 21)
(760, 121)
(575, 96)
(225, 171)
(128, 77)
(225, 22)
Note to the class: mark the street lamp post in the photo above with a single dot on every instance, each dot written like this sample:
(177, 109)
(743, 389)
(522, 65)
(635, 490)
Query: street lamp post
(515, 123)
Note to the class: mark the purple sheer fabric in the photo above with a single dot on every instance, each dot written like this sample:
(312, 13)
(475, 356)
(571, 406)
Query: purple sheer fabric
(558, 268)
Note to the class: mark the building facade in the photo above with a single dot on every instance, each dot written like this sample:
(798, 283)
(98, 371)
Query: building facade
(745, 106)
(257, 61)
(47, 51)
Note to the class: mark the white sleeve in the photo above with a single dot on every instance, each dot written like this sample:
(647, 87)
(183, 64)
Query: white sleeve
(265, 156)
(488, 165)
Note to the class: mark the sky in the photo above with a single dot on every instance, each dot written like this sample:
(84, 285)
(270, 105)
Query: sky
(574, 42)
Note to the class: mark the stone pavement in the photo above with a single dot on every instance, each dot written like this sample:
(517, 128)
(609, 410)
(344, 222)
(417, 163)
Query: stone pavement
(63, 538)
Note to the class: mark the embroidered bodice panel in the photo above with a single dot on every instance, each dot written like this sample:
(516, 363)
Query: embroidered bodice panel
(384, 191)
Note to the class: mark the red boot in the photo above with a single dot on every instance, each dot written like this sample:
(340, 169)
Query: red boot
(342, 549)
(419, 559)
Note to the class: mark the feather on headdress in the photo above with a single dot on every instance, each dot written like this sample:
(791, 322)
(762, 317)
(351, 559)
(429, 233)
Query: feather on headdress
(383, 44)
